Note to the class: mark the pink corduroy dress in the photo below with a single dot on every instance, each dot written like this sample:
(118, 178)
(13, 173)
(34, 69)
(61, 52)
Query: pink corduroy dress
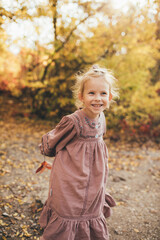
(77, 205)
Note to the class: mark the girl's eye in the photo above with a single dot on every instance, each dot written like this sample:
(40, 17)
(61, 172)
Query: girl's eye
(91, 93)
(104, 93)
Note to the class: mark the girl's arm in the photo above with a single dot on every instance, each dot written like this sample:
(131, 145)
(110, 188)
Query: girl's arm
(58, 138)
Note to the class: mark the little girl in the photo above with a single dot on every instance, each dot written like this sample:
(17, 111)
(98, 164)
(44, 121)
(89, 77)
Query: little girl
(77, 205)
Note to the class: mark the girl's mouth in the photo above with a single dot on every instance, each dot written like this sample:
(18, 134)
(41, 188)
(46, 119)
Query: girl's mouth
(97, 105)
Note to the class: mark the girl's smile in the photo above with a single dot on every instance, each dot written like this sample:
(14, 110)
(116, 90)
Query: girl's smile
(95, 97)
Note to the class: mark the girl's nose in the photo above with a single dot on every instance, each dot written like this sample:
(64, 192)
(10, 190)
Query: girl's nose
(98, 97)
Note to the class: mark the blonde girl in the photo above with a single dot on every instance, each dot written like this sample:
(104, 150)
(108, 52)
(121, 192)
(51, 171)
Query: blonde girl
(78, 204)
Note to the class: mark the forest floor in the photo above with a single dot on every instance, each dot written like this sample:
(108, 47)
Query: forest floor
(133, 182)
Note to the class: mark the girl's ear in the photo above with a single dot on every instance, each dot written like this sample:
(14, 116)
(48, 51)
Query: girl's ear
(110, 96)
(80, 97)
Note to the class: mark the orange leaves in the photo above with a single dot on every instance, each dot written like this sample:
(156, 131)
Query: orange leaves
(123, 163)
(121, 157)
(145, 128)
(138, 129)
(120, 203)
(43, 166)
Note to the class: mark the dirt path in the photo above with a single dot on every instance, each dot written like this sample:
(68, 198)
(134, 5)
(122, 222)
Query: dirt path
(136, 189)
(133, 182)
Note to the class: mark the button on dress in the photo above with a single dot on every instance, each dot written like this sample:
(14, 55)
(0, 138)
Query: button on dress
(77, 205)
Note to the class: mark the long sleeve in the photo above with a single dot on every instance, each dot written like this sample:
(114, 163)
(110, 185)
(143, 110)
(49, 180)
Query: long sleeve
(58, 138)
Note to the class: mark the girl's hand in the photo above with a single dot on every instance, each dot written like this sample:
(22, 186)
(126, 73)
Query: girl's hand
(41, 149)
(43, 166)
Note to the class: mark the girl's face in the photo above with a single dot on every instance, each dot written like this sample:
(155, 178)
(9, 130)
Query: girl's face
(95, 97)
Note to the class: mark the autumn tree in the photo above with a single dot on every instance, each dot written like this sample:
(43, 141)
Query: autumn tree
(75, 45)
(90, 32)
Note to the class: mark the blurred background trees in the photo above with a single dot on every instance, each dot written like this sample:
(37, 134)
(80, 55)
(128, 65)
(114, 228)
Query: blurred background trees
(82, 33)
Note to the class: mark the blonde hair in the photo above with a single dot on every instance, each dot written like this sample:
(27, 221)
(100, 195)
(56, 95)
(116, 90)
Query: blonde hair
(94, 72)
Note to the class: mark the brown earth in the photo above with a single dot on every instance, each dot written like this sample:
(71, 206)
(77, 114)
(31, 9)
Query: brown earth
(133, 182)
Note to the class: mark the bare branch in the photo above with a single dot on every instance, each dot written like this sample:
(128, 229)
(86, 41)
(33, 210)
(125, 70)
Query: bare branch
(71, 32)
(54, 5)
(63, 44)
(45, 72)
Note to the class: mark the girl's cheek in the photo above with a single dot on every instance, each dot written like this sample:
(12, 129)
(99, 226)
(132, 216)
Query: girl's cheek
(90, 97)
